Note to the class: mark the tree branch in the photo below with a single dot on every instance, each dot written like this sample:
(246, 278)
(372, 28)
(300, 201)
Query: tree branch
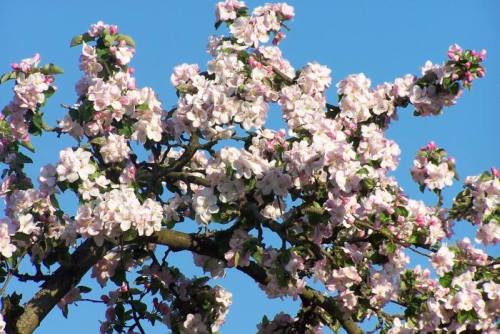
(56, 287)
(179, 241)
(87, 254)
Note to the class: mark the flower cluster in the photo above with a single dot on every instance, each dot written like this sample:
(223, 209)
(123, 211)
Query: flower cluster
(254, 29)
(22, 116)
(433, 169)
(115, 212)
(188, 306)
(359, 103)
(458, 300)
(282, 323)
(440, 84)
(479, 203)
(115, 149)
(108, 92)
(74, 165)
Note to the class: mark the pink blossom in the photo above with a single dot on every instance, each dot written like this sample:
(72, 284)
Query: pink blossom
(443, 260)
(227, 10)
(115, 149)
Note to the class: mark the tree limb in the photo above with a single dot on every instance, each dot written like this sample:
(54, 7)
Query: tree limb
(87, 254)
(178, 241)
(59, 284)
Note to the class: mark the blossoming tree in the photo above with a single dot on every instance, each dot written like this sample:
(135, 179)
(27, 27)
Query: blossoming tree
(321, 188)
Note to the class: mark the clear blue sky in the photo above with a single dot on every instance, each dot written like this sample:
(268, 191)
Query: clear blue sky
(383, 39)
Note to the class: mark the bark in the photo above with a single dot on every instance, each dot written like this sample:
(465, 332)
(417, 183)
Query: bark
(56, 287)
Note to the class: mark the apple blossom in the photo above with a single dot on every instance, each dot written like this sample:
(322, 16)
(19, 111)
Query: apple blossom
(309, 212)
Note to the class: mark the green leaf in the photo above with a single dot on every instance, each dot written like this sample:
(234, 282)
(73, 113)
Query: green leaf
(446, 279)
(402, 211)
(109, 40)
(464, 316)
(367, 185)
(236, 258)
(84, 289)
(130, 235)
(250, 184)
(28, 145)
(391, 247)
(119, 277)
(85, 112)
(138, 306)
(258, 254)
(413, 239)
(7, 76)
(48, 93)
(65, 311)
(126, 130)
(24, 159)
(77, 40)
(120, 311)
(37, 123)
(127, 39)
(98, 141)
(49, 69)
(384, 217)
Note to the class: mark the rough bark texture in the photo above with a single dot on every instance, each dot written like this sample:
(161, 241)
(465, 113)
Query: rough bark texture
(65, 278)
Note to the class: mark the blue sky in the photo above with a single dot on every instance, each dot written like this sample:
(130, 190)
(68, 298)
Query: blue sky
(383, 39)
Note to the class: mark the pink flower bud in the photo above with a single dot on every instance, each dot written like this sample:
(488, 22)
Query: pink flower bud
(482, 54)
(113, 29)
(469, 77)
(495, 172)
(420, 221)
(110, 313)
(131, 70)
(253, 63)
(124, 101)
(455, 48)
(467, 65)
(105, 298)
(131, 84)
(124, 287)
(453, 56)
(14, 66)
(131, 172)
(480, 72)
(104, 327)
(431, 145)
(164, 309)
